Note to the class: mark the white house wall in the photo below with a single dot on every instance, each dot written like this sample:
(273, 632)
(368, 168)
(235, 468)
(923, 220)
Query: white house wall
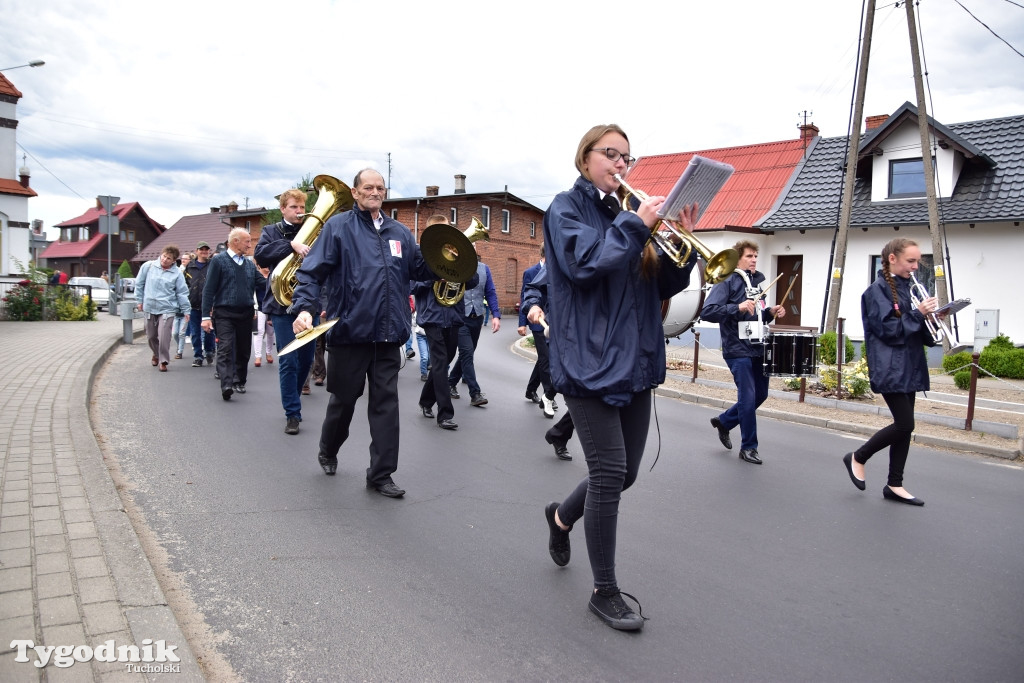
(983, 265)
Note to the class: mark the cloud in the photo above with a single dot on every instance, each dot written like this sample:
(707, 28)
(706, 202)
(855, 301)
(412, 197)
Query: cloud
(186, 107)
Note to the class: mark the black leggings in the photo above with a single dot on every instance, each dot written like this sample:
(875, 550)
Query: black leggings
(613, 441)
(896, 436)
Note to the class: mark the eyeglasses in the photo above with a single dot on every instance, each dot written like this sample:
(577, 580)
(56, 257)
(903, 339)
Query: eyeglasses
(614, 155)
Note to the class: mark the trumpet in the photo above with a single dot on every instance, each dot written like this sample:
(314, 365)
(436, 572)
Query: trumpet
(719, 266)
(935, 326)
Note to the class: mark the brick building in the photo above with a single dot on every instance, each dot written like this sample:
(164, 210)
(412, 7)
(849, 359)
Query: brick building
(515, 229)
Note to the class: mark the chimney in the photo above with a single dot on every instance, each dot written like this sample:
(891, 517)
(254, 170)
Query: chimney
(872, 122)
(433, 190)
(24, 174)
(232, 207)
(808, 131)
(460, 184)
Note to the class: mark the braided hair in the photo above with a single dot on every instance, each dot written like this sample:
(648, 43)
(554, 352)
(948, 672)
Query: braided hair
(895, 247)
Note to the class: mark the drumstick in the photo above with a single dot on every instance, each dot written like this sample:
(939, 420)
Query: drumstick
(765, 290)
(793, 282)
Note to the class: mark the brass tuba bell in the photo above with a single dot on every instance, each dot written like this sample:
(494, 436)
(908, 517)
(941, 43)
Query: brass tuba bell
(333, 196)
(451, 256)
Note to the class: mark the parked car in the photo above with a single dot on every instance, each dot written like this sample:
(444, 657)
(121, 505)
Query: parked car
(100, 290)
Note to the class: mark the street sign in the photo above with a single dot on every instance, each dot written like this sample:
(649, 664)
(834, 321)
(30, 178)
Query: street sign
(109, 224)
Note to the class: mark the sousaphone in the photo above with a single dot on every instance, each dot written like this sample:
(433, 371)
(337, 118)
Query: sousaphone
(452, 258)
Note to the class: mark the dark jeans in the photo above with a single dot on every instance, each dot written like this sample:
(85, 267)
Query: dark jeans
(896, 436)
(348, 369)
(751, 392)
(202, 342)
(234, 346)
(541, 375)
(613, 442)
(293, 368)
(469, 337)
(441, 342)
(561, 431)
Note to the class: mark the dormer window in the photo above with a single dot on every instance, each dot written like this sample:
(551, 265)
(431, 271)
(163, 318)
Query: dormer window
(906, 178)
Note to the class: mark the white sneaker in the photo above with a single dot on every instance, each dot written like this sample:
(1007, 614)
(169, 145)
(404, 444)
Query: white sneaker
(548, 406)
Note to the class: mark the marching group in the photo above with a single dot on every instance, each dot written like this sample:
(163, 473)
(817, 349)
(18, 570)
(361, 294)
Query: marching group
(593, 304)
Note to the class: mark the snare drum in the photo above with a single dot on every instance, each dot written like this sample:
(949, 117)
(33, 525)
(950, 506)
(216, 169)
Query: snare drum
(791, 354)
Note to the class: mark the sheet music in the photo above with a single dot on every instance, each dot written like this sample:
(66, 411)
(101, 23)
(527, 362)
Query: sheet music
(953, 306)
(700, 182)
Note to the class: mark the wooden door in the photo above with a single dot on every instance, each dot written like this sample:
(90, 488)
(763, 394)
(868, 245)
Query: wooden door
(790, 267)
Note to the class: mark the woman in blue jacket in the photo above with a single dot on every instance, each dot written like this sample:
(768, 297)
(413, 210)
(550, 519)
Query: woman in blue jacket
(605, 284)
(895, 335)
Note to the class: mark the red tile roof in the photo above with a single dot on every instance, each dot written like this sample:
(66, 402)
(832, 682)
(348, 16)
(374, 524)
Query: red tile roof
(762, 172)
(72, 249)
(7, 88)
(8, 186)
(93, 215)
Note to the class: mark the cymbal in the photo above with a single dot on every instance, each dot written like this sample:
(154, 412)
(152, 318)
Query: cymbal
(306, 336)
(448, 253)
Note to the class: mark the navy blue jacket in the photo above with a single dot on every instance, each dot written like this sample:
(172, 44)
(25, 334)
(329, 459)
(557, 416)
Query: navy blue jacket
(722, 307)
(366, 275)
(274, 246)
(895, 345)
(606, 335)
(430, 312)
(528, 276)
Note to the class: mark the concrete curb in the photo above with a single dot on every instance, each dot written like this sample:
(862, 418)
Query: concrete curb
(993, 428)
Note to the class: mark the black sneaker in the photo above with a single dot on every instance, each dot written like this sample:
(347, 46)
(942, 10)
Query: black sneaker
(532, 397)
(410, 354)
(478, 400)
(292, 426)
(453, 392)
(197, 363)
(558, 540)
(607, 603)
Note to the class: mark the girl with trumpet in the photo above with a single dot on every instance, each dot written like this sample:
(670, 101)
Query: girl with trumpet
(895, 334)
(605, 284)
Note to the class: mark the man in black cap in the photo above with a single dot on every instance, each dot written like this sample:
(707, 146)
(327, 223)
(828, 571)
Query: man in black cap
(195, 278)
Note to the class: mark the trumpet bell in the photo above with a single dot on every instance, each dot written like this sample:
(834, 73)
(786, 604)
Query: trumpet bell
(720, 265)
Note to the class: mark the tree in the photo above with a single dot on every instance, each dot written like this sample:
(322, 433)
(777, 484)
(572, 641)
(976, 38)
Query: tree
(125, 270)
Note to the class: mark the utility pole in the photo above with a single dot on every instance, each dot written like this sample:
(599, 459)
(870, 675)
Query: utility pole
(941, 291)
(846, 208)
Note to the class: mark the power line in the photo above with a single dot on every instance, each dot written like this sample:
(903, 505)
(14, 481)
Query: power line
(989, 28)
(43, 166)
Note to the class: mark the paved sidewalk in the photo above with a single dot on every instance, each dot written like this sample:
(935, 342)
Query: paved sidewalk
(72, 571)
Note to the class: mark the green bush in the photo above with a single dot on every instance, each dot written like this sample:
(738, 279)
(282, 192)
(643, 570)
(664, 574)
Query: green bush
(1002, 343)
(125, 269)
(25, 301)
(955, 361)
(69, 306)
(962, 379)
(827, 348)
(1003, 363)
(856, 381)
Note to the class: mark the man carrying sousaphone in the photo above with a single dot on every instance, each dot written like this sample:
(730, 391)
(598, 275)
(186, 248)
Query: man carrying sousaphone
(365, 260)
(440, 325)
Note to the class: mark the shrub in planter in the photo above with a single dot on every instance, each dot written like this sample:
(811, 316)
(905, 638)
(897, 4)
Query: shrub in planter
(827, 348)
(962, 379)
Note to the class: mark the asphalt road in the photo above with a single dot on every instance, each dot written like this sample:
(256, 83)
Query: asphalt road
(783, 572)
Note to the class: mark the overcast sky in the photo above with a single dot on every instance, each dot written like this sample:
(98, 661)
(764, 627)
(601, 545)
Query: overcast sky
(185, 106)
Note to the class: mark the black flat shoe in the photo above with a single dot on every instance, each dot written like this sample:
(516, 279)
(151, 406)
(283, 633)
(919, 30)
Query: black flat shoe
(889, 494)
(427, 412)
(848, 461)
(558, 538)
(226, 394)
(750, 455)
(723, 433)
(388, 489)
(329, 465)
(447, 424)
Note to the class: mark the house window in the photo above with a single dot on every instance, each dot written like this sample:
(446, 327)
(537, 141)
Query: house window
(925, 272)
(394, 214)
(906, 178)
(248, 226)
(65, 234)
(485, 216)
(454, 217)
(533, 228)
(83, 234)
(127, 235)
(506, 221)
